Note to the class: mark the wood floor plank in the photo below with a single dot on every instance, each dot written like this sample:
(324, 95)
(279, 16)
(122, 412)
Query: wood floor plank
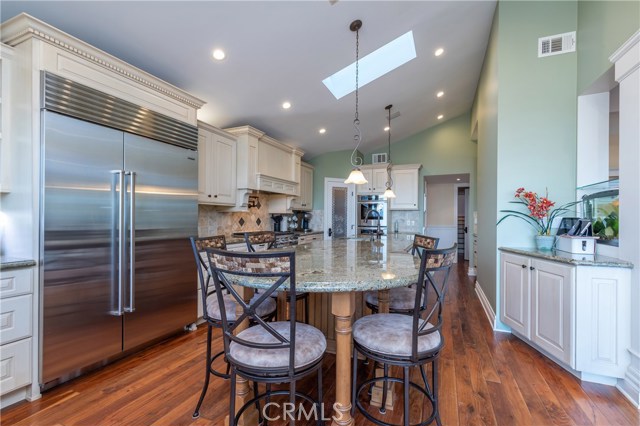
(486, 378)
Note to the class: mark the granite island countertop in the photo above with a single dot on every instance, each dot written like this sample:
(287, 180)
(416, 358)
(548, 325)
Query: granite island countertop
(569, 258)
(353, 264)
(14, 263)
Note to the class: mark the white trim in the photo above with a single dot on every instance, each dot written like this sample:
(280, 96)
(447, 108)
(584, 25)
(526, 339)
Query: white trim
(626, 46)
(351, 206)
(630, 386)
(488, 310)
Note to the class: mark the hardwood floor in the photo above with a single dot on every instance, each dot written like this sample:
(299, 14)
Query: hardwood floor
(486, 378)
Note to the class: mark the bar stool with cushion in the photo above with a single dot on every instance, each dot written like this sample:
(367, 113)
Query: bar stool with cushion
(253, 239)
(210, 308)
(408, 341)
(401, 298)
(276, 352)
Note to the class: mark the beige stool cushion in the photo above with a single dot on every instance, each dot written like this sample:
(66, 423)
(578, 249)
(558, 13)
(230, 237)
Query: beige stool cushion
(391, 334)
(310, 346)
(213, 308)
(401, 298)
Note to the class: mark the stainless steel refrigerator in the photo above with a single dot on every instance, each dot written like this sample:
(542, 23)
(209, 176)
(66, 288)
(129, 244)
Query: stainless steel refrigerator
(117, 210)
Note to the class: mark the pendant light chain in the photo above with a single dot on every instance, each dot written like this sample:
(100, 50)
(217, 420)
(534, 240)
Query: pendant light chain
(389, 191)
(357, 137)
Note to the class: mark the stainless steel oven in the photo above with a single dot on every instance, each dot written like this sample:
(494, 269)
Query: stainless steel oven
(372, 212)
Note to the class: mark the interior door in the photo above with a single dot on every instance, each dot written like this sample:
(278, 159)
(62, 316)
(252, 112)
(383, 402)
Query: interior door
(161, 297)
(340, 209)
(79, 245)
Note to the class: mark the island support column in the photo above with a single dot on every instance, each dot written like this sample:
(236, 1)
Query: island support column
(343, 308)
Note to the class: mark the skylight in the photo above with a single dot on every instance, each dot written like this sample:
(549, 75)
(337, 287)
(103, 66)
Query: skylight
(374, 65)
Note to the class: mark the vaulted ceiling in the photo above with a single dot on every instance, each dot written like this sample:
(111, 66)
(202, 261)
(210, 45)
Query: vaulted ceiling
(281, 51)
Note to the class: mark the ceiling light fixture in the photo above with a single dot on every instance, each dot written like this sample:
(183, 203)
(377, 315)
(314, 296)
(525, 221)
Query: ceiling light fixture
(440, 94)
(219, 54)
(440, 117)
(286, 105)
(439, 51)
(386, 129)
(322, 131)
(356, 175)
(388, 193)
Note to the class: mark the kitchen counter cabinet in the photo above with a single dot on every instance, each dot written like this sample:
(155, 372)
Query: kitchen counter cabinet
(577, 311)
(217, 153)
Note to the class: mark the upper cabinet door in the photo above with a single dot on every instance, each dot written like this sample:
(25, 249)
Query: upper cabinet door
(405, 186)
(305, 200)
(217, 155)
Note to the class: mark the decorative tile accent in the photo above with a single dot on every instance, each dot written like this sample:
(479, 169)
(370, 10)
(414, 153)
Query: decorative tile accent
(211, 221)
(258, 221)
(241, 222)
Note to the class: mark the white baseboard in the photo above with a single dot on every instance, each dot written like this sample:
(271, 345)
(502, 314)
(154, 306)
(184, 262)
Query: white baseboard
(630, 385)
(472, 271)
(488, 310)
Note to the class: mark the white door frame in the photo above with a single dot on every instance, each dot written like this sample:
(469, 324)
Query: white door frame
(457, 186)
(351, 206)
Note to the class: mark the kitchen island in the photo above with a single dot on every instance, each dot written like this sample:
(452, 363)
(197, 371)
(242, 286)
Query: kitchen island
(337, 272)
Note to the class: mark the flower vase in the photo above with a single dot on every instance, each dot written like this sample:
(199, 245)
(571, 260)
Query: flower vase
(545, 242)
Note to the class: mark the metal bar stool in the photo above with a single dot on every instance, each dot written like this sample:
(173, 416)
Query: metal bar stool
(253, 239)
(211, 310)
(408, 341)
(276, 352)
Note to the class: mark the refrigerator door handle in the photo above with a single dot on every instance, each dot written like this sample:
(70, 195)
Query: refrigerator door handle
(121, 270)
(132, 243)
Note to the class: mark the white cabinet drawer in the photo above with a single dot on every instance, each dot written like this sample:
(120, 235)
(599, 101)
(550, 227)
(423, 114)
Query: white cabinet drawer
(15, 282)
(15, 318)
(15, 365)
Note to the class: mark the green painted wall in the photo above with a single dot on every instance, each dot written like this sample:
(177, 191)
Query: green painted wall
(485, 120)
(443, 149)
(602, 27)
(335, 164)
(534, 142)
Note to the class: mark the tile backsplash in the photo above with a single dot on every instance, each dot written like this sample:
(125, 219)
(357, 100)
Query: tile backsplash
(212, 221)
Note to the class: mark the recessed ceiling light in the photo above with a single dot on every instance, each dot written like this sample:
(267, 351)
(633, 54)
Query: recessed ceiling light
(322, 131)
(376, 64)
(286, 105)
(440, 94)
(439, 51)
(440, 117)
(219, 54)
(386, 129)
(458, 179)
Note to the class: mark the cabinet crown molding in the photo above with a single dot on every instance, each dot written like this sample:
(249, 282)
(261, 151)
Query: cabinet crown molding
(23, 27)
(252, 131)
(210, 128)
(634, 40)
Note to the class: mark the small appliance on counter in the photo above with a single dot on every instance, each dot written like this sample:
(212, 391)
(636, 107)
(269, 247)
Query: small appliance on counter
(277, 221)
(575, 236)
(301, 219)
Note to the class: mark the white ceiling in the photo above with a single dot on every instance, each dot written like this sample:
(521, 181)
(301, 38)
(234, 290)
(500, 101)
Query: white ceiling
(279, 51)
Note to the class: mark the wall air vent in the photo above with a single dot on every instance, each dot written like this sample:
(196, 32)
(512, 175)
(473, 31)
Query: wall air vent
(379, 158)
(557, 44)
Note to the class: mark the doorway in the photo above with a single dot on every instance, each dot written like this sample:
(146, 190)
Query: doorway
(339, 209)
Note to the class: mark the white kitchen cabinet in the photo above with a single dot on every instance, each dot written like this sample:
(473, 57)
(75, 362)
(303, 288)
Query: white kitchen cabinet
(6, 74)
(405, 186)
(217, 153)
(305, 200)
(376, 177)
(577, 313)
(552, 308)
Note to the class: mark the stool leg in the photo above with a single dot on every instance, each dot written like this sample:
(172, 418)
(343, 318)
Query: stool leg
(354, 382)
(255, 392)
(306, 308)
(434, 366)
(292, 400)
(196, 412)
(320, 396)
(383, 405)
(232, 398)
(406, 396)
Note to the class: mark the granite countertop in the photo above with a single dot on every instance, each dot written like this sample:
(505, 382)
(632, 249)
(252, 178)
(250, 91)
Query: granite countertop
(14, 263)
(572, 259)
(353, 264)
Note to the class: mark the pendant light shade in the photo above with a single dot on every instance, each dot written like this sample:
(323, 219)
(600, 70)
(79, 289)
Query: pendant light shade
(388, 193)
(356, 175)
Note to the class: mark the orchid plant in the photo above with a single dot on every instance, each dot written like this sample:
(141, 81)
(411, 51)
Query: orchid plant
(540, 215)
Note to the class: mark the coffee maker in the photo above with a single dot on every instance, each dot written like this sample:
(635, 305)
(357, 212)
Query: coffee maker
(303, 221)
(277, 220)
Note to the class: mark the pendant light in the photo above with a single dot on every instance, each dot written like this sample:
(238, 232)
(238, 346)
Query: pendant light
(356, 175)
(388, 193)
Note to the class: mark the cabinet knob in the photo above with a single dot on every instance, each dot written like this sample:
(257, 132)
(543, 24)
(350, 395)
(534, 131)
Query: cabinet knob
(524, 266)
(209, 195)
(215, 196)
(531, 268)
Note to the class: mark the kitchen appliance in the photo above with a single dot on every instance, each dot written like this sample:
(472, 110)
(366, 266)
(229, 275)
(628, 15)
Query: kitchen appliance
(372, 214)
(306, 217)
(277, 221)
(117, 209)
